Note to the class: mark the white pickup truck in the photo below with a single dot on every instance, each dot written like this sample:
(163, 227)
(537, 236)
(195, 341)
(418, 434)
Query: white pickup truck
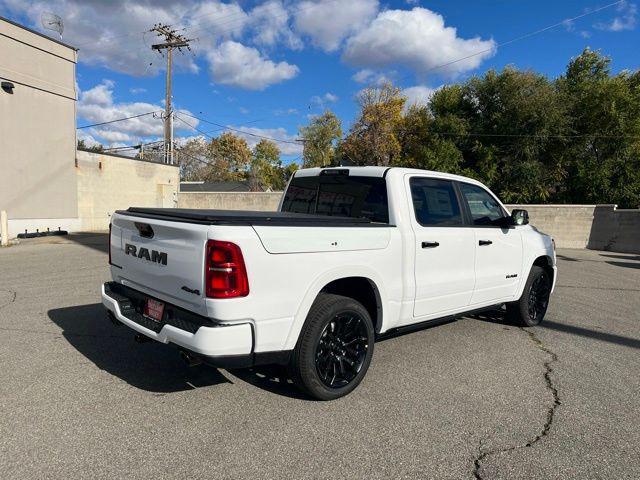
(351, 254)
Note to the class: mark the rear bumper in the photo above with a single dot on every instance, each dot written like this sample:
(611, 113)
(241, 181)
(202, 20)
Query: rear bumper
(217, 343)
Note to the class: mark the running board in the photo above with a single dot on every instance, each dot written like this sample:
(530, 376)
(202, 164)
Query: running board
(395, 332)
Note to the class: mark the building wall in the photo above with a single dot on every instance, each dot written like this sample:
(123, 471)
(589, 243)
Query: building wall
(107, 183)
(264, 201)
(37, 130)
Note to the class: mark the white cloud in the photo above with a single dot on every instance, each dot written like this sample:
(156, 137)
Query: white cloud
(110, 33)
(328, 23)
(322, 101)
(624, 20)
(418, 95)
(97, 105)
(370, 77)
(417, 39)
(270, 21)
(330, 97)
(107, 33)
(136, 91)
(277, 133)
(238, 65)
(289, 111)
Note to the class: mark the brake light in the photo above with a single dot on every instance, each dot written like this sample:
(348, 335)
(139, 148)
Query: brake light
(109, 243)
(226, 275)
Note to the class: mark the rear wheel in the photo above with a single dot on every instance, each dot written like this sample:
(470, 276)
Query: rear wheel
(530, 309)
(335, 348)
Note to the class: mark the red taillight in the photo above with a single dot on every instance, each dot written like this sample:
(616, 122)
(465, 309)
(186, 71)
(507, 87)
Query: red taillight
(225, 274)
(109, 243)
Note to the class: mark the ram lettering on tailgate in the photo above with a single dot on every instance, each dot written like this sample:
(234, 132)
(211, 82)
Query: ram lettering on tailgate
(155, 256)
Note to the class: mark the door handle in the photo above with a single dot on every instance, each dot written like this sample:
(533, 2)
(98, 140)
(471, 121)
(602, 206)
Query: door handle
(430, 244)
(483, 243)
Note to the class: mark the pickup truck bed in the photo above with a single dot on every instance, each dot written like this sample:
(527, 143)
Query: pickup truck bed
(248, 217)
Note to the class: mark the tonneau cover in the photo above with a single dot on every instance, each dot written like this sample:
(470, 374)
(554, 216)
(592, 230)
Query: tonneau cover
(246, 217)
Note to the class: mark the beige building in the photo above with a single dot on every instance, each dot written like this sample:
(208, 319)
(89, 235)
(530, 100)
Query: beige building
(44, 182)
(37, 130)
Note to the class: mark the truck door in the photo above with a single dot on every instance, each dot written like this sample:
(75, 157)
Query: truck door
(498, 249)
(444, 246)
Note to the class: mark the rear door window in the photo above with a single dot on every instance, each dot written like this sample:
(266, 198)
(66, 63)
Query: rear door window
(435, 202)
(338, 195)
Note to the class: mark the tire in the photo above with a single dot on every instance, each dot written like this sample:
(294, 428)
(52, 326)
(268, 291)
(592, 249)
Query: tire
(334, 349)
(530, 309)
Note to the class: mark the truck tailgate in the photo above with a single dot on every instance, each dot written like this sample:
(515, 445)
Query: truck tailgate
(161, 258)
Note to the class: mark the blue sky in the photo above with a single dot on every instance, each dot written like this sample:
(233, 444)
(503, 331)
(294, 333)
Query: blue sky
(266, 67)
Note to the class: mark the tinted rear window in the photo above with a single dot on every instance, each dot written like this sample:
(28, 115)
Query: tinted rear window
(338, 195)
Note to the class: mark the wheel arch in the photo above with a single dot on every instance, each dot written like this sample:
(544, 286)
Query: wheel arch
(544, 261)
(362, 284)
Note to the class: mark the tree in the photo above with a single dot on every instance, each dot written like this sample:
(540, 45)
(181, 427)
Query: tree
(320, 138)
(192, 157)
(225, 158)
(422, 146)
(603, 155)
(266, 167)
(82, 145)
(230, 158)
(373, 139)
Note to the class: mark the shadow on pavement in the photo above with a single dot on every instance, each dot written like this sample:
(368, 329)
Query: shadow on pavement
(151, 366)
(96, 241)
(272, 378)
(623, 257)
(499, 316)
(589, 333)
(624, 264)
(568, 259)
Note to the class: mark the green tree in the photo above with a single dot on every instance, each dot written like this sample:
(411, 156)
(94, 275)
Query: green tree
(230, 158)
(320, 138)
(373, 139)
(266, 167)
(82, 145)
(602, 158)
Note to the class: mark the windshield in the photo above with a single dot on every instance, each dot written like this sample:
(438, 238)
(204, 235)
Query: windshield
(338, 195)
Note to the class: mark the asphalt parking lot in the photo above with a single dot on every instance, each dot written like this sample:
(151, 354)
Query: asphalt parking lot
(475, 398)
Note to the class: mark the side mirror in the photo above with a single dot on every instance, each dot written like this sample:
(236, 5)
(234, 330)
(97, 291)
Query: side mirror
(520, 217)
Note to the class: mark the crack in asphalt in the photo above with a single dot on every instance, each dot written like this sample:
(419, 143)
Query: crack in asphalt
(12, 298)
(550, 411)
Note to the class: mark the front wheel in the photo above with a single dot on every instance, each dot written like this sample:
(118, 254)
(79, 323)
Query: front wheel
(530, 309)
(335, 348)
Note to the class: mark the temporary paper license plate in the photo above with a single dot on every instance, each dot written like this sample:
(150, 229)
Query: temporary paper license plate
(154, 309)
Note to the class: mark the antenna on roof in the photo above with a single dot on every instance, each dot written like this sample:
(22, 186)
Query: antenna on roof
(51, 21)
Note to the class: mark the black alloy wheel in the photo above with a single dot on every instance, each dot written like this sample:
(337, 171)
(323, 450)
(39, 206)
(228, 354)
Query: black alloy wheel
(539, 298)
(341, 350)
(334, 349)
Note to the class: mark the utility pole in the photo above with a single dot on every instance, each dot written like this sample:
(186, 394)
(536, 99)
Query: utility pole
(172, 39)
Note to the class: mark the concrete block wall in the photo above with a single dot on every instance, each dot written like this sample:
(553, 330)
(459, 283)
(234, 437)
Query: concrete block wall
(569, 225)
(597, 227)
(263, 201)
(108, 182)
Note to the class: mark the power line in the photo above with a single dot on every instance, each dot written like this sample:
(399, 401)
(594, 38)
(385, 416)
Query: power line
(533, 135)
(521, 37)
(116, 120)
(297, 141)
